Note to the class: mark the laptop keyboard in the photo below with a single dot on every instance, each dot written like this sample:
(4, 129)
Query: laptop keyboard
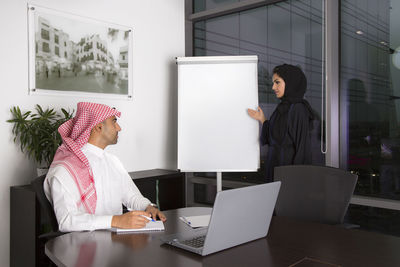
(196, 242)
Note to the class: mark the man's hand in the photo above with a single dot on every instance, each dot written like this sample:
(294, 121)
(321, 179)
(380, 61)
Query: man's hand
(129, 220)
(155, 212)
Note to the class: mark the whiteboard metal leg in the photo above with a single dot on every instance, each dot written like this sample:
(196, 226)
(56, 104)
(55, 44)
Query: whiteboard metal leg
(219, 181)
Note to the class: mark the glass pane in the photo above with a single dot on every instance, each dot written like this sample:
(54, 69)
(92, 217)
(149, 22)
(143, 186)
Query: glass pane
(288, 32)
(369, 93)
(202, 5)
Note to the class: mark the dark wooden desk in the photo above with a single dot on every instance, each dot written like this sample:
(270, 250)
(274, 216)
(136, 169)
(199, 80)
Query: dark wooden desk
(27, 222)
(287, 243)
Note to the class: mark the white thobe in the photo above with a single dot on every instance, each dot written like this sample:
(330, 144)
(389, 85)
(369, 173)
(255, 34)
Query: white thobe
(114, 187)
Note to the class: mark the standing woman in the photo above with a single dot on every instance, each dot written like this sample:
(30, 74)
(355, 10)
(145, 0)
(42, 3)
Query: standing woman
(287, 132)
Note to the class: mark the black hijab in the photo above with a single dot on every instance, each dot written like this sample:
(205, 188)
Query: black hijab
(295, 88)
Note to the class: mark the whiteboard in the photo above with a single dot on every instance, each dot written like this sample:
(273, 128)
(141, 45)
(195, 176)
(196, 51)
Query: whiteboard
(215, 133)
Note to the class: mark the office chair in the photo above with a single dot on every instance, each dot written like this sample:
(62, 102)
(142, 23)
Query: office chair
(47, 208)
(314, 193)
(37, 185)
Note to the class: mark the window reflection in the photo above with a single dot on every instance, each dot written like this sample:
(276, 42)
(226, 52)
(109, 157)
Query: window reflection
(370, 140)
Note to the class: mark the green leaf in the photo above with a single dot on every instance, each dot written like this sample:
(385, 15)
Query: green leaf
(36, 132)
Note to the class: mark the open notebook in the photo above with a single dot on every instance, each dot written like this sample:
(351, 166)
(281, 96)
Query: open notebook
(150, 226)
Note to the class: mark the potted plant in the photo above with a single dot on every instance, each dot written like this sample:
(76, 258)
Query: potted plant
(36, 132)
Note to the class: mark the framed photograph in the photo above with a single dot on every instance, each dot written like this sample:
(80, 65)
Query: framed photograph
(74, 55)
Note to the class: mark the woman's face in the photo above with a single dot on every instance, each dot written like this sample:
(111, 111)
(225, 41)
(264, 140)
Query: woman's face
(278, 85)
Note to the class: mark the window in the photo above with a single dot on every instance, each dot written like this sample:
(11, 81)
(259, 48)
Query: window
(370, 79)
(45, 34)
(202, 5)
(65, 54)
(286, 32)
(369, 84)
(56, 38)
(45, 47)
(57, 50)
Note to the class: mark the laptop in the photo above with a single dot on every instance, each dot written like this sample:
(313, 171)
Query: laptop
(238, 216)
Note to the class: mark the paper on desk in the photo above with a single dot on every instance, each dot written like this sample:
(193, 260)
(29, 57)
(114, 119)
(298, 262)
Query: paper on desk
(150, 226)
(196, 221)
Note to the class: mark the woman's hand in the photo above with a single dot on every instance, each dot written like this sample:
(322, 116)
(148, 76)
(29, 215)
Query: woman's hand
(257, 114)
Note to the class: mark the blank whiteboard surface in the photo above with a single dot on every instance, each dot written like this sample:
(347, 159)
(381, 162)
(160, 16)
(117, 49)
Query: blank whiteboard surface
(215, 133)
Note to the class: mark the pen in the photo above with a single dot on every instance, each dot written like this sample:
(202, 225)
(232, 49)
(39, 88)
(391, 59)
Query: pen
(185, 220)
(148, 218)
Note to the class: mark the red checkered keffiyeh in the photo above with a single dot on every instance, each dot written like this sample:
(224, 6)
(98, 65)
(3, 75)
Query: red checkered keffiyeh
(75, 134)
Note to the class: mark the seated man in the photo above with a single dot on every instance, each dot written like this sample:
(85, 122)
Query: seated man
(86, 185)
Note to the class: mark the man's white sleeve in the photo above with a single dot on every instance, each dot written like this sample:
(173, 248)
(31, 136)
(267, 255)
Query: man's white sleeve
(131, 196)
(64, 200)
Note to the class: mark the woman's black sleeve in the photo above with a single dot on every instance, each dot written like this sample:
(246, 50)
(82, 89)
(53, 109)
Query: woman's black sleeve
(264, 133)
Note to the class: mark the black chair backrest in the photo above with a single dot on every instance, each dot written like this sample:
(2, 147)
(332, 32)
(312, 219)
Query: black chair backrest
(314, 193)
(45, 205)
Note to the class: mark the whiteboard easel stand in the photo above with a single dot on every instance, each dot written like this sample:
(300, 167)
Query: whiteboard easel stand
(213, 78)
(219, 181)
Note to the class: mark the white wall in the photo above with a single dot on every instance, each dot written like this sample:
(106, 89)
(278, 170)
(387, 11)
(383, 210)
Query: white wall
(148, 137)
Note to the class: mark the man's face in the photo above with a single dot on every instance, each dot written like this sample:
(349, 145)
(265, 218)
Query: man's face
(110, 130)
